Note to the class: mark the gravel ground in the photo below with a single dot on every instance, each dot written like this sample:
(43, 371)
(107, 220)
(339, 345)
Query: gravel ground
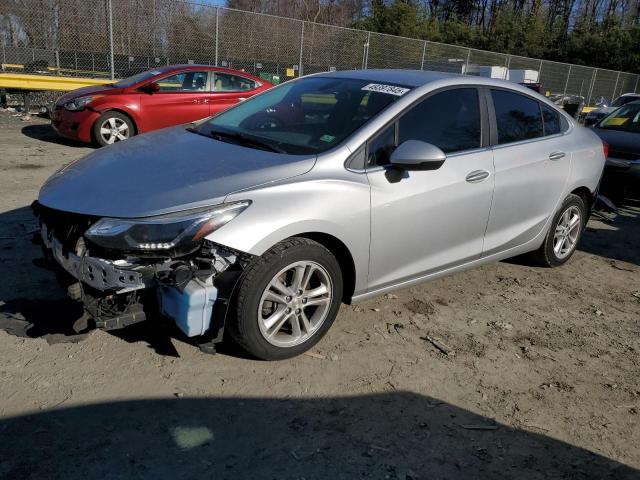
(540, 378)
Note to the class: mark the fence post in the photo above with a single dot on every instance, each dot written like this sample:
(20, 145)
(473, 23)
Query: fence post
(424, 49)
(56, 27)
(615, 87)
(466, 62)
(593, 82)
(365, 55)
(566, 83)
(217, 33)
(109, 8)
(508, 64)
(635, 89)
(300, 69)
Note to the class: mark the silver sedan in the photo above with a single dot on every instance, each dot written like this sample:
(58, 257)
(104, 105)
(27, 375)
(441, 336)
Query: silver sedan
(332, 188)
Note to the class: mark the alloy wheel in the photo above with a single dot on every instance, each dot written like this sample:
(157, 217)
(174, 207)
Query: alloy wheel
(295, 304)
(113, 130)
(567, 232)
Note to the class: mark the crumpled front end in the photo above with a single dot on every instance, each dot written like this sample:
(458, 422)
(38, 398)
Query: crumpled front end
(118, 289)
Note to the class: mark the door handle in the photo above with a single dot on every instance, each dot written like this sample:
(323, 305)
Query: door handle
(477, 176)
(556, 155)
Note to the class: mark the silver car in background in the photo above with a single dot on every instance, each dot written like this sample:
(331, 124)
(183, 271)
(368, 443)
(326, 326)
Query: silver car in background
(332, 188)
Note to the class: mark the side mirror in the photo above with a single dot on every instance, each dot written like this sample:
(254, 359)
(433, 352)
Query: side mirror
(152, 87)
(417, 155)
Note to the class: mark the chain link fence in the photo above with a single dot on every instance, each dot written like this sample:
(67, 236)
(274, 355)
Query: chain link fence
(117, 38)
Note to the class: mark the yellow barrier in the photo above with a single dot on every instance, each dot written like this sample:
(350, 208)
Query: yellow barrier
(22, 81)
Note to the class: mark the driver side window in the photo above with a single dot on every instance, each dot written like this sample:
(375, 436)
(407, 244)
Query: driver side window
(449, 120)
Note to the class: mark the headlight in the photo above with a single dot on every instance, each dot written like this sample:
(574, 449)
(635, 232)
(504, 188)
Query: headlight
(173, 234)
(80, 102)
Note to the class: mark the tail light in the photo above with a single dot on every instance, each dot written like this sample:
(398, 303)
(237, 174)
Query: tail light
(605, 149)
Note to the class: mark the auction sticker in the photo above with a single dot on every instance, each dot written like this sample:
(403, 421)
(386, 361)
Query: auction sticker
(390, 89)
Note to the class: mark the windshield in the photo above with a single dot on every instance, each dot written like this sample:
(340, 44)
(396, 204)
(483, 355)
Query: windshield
(305, 116)
(620, 101)
(137, 78)
(626, 119)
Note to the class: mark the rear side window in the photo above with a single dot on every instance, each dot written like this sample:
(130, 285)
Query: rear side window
(518, 117)
(552, 125)
(225, 82)
(449, 120)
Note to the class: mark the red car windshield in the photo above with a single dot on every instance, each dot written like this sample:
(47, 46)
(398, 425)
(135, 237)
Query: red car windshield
(310, 115)
(137, 78)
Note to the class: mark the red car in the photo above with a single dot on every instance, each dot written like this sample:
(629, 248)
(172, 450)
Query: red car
(150, 100)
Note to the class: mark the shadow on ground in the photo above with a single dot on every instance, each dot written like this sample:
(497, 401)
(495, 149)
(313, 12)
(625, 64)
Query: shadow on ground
(618, 240)
(46, 133)
(389, 436)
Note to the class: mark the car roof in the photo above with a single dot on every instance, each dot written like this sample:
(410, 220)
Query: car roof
(630, 94)
(419, 78)
(409, 78)
(190, 66)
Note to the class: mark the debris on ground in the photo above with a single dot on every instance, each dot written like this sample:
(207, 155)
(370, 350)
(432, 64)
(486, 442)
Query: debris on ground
(479, 427)
(315, 355)
(439, 345)
(500, 325)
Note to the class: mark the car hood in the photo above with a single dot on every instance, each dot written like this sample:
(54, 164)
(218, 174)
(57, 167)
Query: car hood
(81, 92)
(625, 145)
(162, 172)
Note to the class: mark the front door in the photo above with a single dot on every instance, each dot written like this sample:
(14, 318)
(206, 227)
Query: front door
(183, 97)
(426, 221)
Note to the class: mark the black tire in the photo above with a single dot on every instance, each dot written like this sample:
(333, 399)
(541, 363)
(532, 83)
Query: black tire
(118, 118)
(546, 255)
(245, 329)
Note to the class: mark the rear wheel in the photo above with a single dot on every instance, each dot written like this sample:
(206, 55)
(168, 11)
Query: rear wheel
(112, 127)
(566, 229)
(287, 299)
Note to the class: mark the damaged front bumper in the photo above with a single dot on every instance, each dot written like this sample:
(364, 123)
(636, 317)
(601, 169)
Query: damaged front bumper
(194, 291)
(119, 276)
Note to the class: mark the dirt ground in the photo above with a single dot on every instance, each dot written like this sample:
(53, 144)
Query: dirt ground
(540, 380)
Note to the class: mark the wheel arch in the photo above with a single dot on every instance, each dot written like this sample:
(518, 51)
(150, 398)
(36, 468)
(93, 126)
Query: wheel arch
(586, 195)
(344, 257)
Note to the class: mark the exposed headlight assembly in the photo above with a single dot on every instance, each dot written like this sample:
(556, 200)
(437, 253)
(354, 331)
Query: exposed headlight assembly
(79, 103)
(174, 234)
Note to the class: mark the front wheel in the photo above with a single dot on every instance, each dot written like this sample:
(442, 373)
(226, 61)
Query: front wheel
(112, 127)
(287, 299)
(564, 234)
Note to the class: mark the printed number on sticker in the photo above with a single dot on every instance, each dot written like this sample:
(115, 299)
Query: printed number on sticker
(390, 89)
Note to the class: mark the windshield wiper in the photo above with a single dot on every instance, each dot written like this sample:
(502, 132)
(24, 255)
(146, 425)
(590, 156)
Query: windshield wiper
(242, 139)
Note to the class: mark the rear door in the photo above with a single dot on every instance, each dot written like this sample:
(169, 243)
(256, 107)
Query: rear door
(182, 98)
(532, 165)
(426, 221)
(228, 90)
